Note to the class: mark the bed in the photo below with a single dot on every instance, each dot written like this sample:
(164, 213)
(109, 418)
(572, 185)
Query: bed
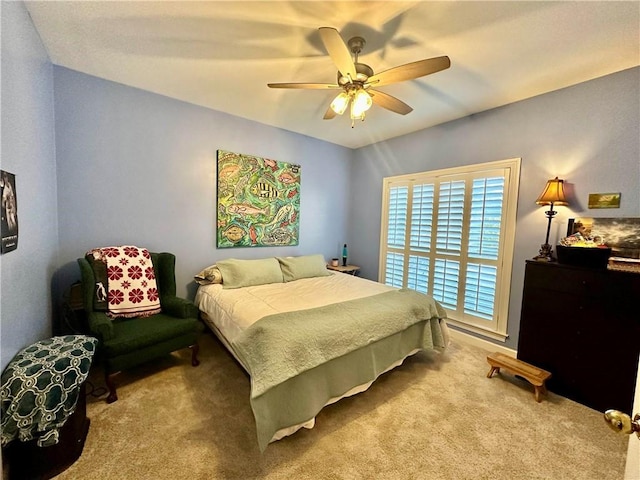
(307, 336)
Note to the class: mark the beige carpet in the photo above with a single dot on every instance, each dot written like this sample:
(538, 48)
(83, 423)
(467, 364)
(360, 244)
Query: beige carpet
(435, 417)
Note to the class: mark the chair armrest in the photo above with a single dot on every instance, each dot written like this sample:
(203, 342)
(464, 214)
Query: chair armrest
(179, 307)
(100, 325)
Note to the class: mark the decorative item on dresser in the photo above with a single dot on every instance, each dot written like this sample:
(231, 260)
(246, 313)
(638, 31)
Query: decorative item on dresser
(582, 325)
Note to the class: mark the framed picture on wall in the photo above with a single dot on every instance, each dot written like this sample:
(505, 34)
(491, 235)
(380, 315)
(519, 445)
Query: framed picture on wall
(9, 227)
(258, 201)
(604, 200)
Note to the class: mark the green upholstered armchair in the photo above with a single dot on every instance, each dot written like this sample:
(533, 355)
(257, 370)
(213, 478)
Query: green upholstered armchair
(128, 342)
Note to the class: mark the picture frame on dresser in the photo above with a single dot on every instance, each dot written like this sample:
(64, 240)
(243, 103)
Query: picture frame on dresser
(621, 234)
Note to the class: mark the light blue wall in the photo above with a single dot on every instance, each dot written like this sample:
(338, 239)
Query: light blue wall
(588, 134)
(135, 167)
(139, 168)
(28, 151)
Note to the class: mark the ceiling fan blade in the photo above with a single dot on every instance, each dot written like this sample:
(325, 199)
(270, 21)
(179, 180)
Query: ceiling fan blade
(314, 86)
(338, 51)
(410, 71)
(329, 114)
(390, 103)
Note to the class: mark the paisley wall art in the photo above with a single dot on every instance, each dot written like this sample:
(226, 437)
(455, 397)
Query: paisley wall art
(258, 201)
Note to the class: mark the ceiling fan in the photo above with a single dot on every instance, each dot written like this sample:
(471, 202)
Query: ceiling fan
(356, 80)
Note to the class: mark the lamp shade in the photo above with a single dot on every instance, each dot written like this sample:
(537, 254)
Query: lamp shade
(553, 193)
(339, 104)
(361, 103)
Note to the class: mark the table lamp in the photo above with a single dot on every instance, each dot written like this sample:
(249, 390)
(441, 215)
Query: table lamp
(553, 194)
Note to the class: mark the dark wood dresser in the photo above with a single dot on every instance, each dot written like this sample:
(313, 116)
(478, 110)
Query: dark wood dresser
(583, 326)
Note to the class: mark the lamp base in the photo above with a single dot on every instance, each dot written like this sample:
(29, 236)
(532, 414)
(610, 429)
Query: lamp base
(545, 254)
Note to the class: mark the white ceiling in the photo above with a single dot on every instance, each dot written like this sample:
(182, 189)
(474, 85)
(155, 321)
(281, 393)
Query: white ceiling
(222, 54)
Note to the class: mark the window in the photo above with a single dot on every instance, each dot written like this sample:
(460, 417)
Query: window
(450, 234)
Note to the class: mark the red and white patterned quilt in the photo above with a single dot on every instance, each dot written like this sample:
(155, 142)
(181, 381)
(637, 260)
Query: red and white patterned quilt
(132, 289)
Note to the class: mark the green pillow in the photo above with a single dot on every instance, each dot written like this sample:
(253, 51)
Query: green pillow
(306, 266)
(245, 273)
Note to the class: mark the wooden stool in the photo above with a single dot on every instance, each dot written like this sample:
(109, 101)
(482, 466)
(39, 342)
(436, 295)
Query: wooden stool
(534, 375)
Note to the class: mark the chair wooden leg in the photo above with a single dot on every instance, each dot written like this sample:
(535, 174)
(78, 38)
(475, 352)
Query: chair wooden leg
(113, 396)
(195, 348)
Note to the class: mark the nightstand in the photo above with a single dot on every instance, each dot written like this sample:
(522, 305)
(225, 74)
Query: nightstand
(350, 269)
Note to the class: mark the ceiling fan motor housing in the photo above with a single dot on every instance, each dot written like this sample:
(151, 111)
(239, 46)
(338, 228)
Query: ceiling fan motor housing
(363, 72)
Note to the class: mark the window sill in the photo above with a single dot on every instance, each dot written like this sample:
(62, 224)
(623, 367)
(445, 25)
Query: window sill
(500, 336)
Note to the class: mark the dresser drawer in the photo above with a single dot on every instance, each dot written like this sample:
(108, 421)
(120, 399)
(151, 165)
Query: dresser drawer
(577, 281)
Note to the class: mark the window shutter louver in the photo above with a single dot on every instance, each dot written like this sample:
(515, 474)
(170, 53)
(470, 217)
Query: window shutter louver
(421, 217)
(397, 220)
(445, 282)
(450, 216)
(486, 217)
(480, 291)
(395, 270)
(418, 274)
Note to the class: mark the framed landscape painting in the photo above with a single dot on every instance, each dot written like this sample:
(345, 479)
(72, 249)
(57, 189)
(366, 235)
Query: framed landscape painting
(258, 201)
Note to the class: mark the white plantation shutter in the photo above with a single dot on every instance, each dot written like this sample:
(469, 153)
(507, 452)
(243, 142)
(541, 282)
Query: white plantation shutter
(396, 231)
(422, 217)
(395, 267)
(418, 274)
(450, 213)
(398, 199)
(484, 244)
(445, 283)
(445, 233)
(486, 216)
(480, 292)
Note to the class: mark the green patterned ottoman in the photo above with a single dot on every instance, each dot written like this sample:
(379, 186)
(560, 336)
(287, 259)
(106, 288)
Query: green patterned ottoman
(42, 387)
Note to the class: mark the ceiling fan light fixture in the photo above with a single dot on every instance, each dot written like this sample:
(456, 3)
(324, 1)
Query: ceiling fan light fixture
(361, 103)
(340, 103)
(356, 115)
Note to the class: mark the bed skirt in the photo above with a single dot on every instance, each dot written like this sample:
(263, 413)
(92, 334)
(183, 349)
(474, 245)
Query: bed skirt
(278, 413)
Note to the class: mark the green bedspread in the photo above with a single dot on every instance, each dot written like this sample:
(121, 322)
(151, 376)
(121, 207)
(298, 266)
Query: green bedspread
(286, 354)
